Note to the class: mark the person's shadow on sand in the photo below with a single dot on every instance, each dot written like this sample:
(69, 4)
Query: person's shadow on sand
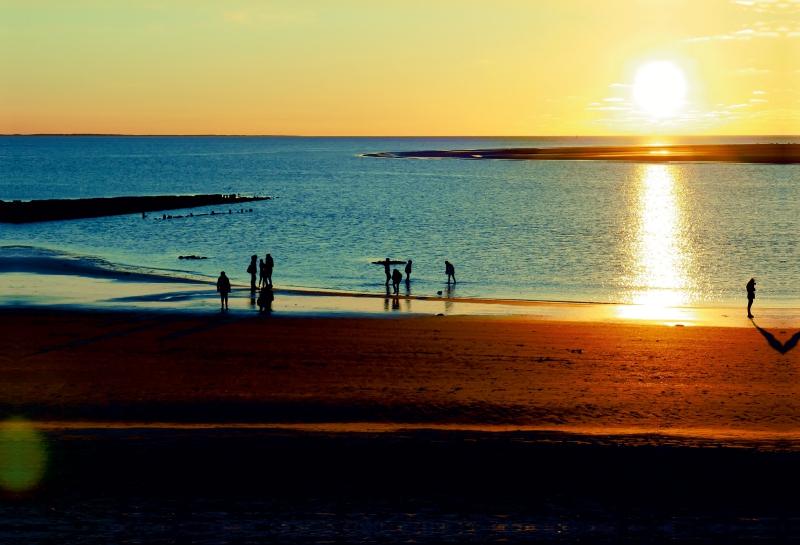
(775, 343)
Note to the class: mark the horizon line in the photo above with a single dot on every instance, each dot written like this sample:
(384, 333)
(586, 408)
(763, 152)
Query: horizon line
(212, 135)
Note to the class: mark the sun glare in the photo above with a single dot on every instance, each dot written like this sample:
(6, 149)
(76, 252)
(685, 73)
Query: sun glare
(659, 88)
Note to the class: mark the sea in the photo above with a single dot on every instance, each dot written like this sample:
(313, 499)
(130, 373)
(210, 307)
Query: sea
(688, 234)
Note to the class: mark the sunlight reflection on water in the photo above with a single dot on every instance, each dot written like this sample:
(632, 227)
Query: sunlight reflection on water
(661, 268)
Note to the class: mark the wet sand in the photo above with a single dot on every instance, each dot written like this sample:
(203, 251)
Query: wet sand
(513, 372)
(301, 429)
(296, 429)
(720, 153)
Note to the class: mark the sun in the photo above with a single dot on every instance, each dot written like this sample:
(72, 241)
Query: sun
(659, 88)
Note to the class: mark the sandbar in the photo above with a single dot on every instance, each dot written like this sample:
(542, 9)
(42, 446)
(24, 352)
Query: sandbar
(719, 153)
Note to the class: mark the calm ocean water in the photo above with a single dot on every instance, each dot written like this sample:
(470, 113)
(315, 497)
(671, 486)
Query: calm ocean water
(683, 234)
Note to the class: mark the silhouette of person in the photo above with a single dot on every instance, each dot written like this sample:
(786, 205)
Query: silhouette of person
(751, 294)
(253, 269)
(265, 299)
(397, 277)
(224, 288)
(387, 271)
(270, 264)
(408, 271)
(262, 273)
(450, 271)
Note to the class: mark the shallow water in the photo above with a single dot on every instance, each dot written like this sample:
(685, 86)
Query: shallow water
(659, 235)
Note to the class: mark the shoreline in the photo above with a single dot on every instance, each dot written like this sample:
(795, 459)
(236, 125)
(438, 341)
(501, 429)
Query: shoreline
(65, 293)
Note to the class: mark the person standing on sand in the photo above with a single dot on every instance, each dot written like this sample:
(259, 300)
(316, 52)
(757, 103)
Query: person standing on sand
(387, 271)
(265, 299)
(408, 271)
(262, 273)
(270, 264)
(397, 277)
(751, 294)
(450, 271)
(253, 269)
(224, 288)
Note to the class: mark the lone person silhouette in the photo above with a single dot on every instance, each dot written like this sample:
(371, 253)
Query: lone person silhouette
(397, 277)
(387, 271)
(270, 264)
(751, 294)
(408, 271)
(449, 270)
(224, 288)
(253, 269)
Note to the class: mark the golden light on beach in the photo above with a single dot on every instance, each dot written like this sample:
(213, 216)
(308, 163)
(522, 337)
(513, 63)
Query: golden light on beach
(659, 255)
(22, 456)
(659, 88)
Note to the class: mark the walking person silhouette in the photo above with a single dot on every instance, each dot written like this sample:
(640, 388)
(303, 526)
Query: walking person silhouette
(450, 271)
(224, 288)
(751, 294)
(397, 277)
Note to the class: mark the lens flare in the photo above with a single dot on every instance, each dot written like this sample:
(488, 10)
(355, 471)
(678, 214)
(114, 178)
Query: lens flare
(22, 456)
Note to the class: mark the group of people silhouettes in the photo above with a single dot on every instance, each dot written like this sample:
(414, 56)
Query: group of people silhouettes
(264, 269)
(265, 266)
(395, 276)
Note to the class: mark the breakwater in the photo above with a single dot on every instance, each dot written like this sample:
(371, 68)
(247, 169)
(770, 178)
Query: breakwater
(68, 209)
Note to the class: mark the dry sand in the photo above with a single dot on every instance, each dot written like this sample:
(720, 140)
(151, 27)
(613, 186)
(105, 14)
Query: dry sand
(454, 371)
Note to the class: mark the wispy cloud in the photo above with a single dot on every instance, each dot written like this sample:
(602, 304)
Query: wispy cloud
(753, 71)
(769, 6)
(761, 29)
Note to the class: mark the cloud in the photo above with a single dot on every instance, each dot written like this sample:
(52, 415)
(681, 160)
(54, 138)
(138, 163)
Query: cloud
(761, 29)
(753, 71)
(769, 6)
(759, 93)
(758, 100)
(613, 99)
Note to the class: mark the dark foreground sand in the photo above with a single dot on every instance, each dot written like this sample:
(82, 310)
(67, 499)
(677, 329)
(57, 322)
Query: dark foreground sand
(622, 432)
(591, 377)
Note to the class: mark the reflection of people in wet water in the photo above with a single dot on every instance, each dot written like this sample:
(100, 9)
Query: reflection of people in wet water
(265, 299)
(751, 294)
(253, 269)
(262, 273)
(408, 271)
(397, 277)
(224, 288)
(450, 271)
(387, 271)
(270, 264)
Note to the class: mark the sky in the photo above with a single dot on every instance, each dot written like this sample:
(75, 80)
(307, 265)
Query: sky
(380, 68)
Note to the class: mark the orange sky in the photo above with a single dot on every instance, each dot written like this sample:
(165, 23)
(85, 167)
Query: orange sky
(434, 67)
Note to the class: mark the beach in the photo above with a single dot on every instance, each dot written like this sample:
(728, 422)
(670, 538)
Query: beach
(480, 372)
(311, 427)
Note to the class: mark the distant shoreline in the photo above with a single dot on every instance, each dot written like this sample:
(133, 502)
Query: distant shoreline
(716, 153)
